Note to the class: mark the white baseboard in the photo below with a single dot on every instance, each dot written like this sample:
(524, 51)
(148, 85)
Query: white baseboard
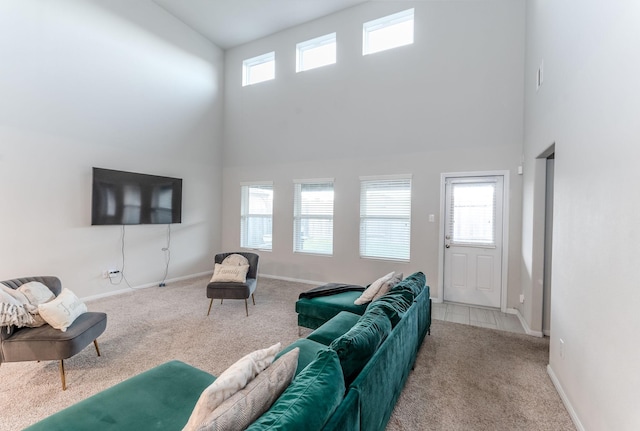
(524, 323)
(565, 399)
(295, 280)
(143, 286)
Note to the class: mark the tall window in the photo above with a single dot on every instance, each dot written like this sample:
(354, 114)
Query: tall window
(256, 216)
(317, 52)
(387, 32)
(313, 216)
(385, 217)
(259, 69)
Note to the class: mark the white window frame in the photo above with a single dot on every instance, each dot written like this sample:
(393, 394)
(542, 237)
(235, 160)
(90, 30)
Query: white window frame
(250, 63)
(384, 244)
(386, 22)
(312, 44)
(299, 217)
(245, 216)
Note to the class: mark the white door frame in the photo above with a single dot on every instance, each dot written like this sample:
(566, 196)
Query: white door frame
(505, 230)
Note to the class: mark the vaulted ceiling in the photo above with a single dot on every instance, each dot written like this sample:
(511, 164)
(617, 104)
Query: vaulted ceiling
(229, 23)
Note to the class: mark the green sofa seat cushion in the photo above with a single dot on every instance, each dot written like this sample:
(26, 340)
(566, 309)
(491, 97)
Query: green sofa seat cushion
(308, 351)
(161, 398)
(310, 399)
(356, 347)
(324, 308)
(334, 328)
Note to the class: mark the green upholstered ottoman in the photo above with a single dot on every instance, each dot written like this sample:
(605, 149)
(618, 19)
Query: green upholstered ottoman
(161, 398)
(313, 312)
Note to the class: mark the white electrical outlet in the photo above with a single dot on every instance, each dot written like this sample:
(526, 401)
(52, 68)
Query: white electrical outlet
(110, 273)
(522, 299)
(561, 348)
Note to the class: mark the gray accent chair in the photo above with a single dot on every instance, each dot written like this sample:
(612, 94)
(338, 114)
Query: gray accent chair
(46, 343)
(225, 290)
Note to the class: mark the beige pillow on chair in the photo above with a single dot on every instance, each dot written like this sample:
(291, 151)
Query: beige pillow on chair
(36, 292)
(230, 273)
(61, 312)
(236, 260)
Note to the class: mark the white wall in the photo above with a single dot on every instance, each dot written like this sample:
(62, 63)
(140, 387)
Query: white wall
(450, 102)
(588, 105)
(120, 85)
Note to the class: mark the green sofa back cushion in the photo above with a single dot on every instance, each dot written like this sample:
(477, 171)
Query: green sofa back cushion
(413, 283)
(358, 345)
(398, 300)
(308, 351)
(310, 399)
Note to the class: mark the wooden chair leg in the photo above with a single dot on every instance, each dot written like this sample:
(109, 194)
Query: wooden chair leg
(64, 383)
(95, 343)
(221, 299)
(246, 307)
(210, 303)
(253, 298)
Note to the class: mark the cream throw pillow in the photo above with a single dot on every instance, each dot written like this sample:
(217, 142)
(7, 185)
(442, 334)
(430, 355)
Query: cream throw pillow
(61, 312)
(230, 273)
(36, 292)
(245, 406)
(397, 278)
(229, 382)
(235, 260)
(370, 292)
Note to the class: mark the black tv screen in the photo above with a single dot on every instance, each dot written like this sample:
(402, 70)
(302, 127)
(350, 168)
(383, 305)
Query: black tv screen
(120, 198)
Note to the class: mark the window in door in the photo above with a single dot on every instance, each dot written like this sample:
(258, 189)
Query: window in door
(473, 210)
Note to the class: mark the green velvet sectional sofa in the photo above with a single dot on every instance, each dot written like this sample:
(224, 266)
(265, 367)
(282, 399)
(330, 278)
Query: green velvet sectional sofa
(351, 370)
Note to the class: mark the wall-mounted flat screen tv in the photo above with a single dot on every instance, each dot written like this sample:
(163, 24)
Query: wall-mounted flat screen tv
(123, 198)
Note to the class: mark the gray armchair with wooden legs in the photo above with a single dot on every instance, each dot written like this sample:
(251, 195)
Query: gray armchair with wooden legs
(46, 343)
(230, 290)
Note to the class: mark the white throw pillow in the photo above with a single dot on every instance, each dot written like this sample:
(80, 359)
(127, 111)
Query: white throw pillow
(229, 382)
(397, 278)
(36, 292)
(245, 406)
(230, 273)
(370, 292)
(63, 310)
(236, 260)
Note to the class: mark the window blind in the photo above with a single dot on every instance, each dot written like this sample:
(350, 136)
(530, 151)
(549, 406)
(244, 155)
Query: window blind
(385, 218)
(313, 217)
(256, 216)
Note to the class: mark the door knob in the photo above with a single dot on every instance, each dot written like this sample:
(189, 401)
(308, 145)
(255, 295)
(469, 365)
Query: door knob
(447, 245)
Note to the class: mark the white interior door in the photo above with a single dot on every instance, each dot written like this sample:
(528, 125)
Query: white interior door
(473, 240)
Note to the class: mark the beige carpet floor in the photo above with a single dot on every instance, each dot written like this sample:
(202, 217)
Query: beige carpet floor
(466, 378)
